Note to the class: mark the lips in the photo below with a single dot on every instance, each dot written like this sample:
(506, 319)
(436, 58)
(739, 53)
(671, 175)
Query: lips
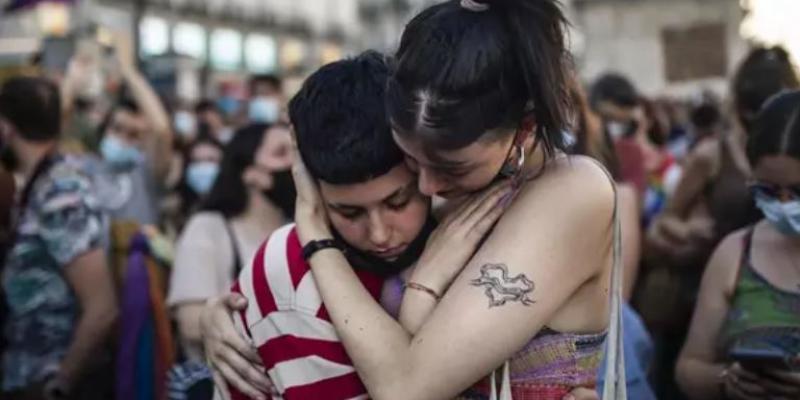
(390, 252)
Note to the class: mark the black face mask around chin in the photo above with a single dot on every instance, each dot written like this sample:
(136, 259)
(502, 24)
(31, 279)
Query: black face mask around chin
(8, 158)
(383, 268)
(283, 193)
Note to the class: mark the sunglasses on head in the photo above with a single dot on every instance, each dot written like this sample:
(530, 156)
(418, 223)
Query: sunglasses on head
(774, 191)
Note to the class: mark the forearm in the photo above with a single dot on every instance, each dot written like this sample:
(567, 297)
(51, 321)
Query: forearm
(699, 379)
(375, 342)
(91, 333)
(188, 318)
(415, 309)
(160, 144)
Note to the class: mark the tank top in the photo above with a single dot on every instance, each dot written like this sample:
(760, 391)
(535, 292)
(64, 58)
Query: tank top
(758, 309)
(548, 367)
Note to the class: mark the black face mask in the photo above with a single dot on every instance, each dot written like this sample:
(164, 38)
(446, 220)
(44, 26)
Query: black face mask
(283, 193)
(380, 267)
(8, 158)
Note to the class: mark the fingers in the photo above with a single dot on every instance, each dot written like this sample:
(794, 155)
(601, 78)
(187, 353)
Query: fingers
(582, 394)
(230, 337)
(238, 382)
(743, 384)
(490, 209)
(744, 374)
(244, 359)
(219, 385)
(486, 221)
(483, 201)
(235, 302)
(781, 383)
(779, 388)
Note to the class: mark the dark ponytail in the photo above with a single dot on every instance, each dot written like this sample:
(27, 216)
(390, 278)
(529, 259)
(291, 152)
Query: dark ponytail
(461, 73)
(776, 129)
(764, 72)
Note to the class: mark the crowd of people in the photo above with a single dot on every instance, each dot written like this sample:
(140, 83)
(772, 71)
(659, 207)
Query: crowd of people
(435, 223)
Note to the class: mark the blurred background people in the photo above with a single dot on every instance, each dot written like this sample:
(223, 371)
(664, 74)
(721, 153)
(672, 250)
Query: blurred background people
(746, 323)
(253, 195)
(711, 201)
(594, 141)
(56, 283)
(154, 95)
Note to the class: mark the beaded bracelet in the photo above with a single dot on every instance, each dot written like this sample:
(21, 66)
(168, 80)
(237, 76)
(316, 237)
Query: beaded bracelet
(422, 288)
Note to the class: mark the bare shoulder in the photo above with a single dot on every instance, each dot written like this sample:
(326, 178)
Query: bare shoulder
(572, 197)
(706, 154)
(723, 267)
(575, 182)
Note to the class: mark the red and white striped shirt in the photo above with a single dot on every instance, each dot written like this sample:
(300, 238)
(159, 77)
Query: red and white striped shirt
(290, 326)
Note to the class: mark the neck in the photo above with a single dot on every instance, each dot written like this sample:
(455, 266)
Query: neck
(262, 211)
(29, 154)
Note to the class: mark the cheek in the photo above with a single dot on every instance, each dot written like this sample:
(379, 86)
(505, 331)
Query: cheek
(409, 222)
(478, 179)
(352, 231)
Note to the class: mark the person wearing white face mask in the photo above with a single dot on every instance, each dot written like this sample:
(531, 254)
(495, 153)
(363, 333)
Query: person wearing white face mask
(744, 341)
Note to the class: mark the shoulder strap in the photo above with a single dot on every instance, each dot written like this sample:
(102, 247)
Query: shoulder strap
(615, 381)
(237, 261)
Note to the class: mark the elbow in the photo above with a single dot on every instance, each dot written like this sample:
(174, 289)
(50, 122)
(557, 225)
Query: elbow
(681, 373)
(103, 317)
(686, 377)
(400, 387)
(109, 316)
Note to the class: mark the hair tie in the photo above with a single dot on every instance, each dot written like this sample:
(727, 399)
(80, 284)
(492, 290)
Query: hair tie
(474, 5)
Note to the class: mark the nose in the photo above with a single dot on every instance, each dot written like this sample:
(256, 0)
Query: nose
(429, 183)
(379, 233)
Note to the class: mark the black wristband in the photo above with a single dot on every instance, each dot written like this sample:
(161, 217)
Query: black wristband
(316, 245)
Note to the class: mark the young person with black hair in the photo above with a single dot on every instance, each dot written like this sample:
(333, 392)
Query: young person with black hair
(751, 286)
(252, 195)
(57, 288)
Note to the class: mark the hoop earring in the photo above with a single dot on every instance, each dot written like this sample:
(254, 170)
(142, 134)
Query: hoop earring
(509, 171)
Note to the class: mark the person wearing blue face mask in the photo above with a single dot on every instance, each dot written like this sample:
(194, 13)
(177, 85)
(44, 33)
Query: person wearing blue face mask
(136, 147)
(745, 336)
(201, 166)
(266, 92)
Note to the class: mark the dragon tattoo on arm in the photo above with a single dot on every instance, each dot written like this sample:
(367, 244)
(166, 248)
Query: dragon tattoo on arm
(500, 288)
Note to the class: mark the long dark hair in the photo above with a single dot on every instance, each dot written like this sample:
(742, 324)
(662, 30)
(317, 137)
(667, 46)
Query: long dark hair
(229, 194)
(762, 74)
(461, 73)
(776, 130)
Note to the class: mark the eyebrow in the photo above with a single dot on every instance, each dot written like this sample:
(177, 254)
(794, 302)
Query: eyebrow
(393, 194)
(442, 162)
